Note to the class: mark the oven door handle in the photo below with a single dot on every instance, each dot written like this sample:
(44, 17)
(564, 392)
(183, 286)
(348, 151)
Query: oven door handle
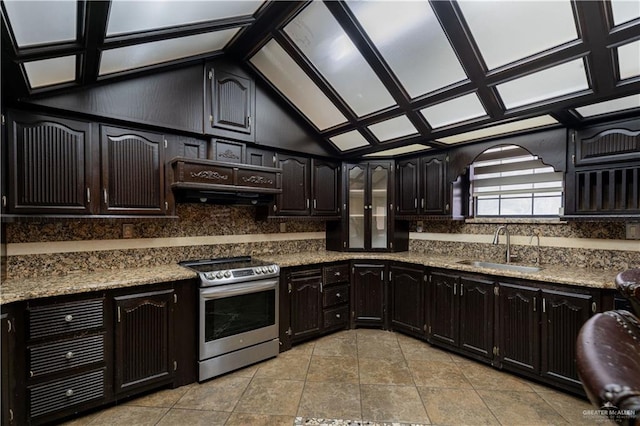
(237, 289)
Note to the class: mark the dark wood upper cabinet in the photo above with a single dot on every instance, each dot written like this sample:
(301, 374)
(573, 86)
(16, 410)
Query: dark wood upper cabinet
(132, 171)
(230, 104)
(50, 166)
(325, 186)
(260, 157)
(144, 340)
(603, 173)
(422, 187)
(295, 199)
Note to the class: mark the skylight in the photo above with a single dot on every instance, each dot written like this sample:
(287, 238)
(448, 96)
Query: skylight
(392, 129)
(553, 82)
(399, 151)
(625, 11)
(349, 140)
(127, 16)
(629, 60)
(411, 40)
(454, 111)
(282, 71)
(323, 41)
(156, 52)
(529, 123)
(48, 72)
(613, 105)
(42, 22)
(507, 31)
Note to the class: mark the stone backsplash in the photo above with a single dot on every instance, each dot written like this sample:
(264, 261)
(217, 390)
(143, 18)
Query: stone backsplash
(198, 220)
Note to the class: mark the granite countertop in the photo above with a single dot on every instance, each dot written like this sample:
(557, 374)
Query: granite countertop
(22, 289)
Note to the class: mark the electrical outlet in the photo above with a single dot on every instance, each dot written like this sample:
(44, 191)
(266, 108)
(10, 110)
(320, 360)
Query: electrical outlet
(127, 230)
(419, 227)
(633, 231)
(283, 227)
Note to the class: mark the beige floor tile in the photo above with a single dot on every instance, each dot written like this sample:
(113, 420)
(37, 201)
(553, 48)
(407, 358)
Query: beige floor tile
(333, 369)
(415, 349)
(243, 419)
(336, 347)
(573, 409)
(383, 348)
(179, 416)
(289, 368)
(271, 396)
(401, 404)
(84, 420)
(520, 408)
(219, 394)
(384, 371)
(130, 415)
(438, 374)
(164, 398)
(303, 349)
(330, 400)
(456, 407)
(485, 377)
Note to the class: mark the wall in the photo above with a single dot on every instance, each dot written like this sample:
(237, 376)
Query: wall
(42, 248)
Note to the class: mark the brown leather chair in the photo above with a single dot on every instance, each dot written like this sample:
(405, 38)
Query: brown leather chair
(608, 356)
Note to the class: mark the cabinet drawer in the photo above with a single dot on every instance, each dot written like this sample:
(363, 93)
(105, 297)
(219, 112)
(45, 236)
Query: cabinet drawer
(335, 295)
(336, 274)
(65, 393)
(65, 317)
(49, 358)
(336, 317)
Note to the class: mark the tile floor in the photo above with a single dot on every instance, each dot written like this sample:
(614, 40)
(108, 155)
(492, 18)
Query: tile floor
(369, 376)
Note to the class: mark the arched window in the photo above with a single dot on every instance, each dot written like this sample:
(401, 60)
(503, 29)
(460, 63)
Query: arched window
(509, 181)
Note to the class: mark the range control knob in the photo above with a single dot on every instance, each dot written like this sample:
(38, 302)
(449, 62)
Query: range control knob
(258, 271)
(209, 275)
(227, 274)
(219, 275)
(270, 268)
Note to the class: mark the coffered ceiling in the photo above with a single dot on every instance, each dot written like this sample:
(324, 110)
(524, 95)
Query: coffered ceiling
(370, 77)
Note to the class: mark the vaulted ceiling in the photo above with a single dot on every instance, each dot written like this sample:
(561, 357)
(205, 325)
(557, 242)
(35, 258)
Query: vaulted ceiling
(370, 77)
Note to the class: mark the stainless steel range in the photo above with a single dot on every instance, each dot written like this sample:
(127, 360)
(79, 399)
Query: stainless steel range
(238, 322)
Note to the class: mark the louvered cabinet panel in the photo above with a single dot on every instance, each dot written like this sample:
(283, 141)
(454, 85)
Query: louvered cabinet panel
(68, 354)
(61, 394)
(563, 314)
(51, 320)
(519, 335)
(144, 349)
(50, 166)
(132, 171)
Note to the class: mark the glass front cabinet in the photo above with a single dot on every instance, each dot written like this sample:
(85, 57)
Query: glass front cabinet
(368, 211)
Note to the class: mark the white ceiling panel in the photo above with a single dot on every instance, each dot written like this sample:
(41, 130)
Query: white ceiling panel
(48, 72)
(393, 128)
(42, 22)
(454, 111)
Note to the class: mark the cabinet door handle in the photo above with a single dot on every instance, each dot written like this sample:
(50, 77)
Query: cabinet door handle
(105, 195)
(455, 288)
(544, 305)
(315, 203)
(461, 289)
(307, 203)
(422, 203)
(338, 295)
(88, 195)
(337, 274)
(338, 316)
(69, 355)
(68, 318)
(415, 203)
(320, 286)
(534, 304)
(69, 393)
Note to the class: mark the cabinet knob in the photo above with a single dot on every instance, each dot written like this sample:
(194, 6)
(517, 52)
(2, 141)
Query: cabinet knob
(338, 295)
(68, 318)
(337, 274)
(69, 393)
(69, 355)
(338, 316)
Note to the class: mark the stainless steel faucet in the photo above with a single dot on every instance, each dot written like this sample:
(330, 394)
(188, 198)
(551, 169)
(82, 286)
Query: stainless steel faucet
(496, 240)
(536, 235)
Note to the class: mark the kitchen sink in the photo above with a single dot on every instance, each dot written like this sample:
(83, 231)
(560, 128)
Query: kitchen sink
(503, 266)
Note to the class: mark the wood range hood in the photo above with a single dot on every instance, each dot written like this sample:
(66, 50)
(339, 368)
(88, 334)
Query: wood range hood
(197, 180)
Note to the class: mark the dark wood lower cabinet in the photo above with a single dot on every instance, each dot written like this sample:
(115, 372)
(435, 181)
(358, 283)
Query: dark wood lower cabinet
(7, 346)
(368, 295)
(519, 328)
(144, 349)
(407, 285)
(305, 289)
(443, 307)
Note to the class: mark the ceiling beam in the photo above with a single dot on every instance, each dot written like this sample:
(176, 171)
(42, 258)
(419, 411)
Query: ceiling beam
(95, 27)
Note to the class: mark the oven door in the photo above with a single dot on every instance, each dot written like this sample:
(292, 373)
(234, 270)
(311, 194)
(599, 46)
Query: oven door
(236, 316)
